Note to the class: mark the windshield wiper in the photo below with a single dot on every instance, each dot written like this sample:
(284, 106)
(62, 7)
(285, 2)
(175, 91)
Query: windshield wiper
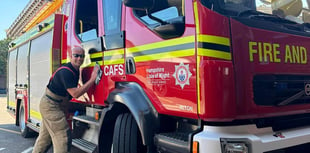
(253, 14)
(249, 12)
(292, 98)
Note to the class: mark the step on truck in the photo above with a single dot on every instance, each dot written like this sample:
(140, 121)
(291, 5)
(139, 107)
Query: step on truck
(178, 76)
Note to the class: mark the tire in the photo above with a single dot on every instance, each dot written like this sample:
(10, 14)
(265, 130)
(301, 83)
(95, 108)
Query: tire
(127, 137)
(25, 131)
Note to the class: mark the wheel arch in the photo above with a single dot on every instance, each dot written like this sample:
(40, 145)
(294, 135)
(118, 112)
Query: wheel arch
(130, 97)
(20, 100)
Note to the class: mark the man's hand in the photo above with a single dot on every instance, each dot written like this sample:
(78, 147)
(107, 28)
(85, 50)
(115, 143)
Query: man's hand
(77, 92)
(94, 73)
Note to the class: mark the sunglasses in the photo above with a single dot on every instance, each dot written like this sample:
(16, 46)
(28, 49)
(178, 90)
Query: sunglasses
(78, 55)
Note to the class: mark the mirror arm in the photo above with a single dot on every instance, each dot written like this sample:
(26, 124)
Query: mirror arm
(155, 18)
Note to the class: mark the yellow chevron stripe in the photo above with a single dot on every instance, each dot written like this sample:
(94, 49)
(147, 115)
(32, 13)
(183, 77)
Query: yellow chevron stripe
(214, 39)
(174, 54)
(12, 104)
(114, 52)
(166, 43)
(196, 18)
(96, 55)
(197, 58)
(112, 62)
(214, 53)
(64, 61)
(198, 84)
(94, 63)
(35, 114)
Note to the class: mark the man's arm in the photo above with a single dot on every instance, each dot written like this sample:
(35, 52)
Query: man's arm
(77, 92)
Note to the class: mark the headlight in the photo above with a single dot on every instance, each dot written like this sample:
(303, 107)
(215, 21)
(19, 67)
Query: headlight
(234, 145)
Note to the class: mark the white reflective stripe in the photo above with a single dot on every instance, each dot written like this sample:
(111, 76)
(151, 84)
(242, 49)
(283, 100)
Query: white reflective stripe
(29, 150)
(11, 131)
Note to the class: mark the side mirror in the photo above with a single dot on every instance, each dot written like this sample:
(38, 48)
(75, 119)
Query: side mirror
(171, 30)
(139, 4)
(93, 46)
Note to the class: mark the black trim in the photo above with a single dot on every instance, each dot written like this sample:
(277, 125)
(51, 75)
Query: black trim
(277, 90)
(295, 29)
(96, 59)
(256, 19)
(214, 46)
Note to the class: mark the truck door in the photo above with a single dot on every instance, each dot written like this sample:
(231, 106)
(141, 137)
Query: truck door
(161, 43)
(12, 79)
(96, 26)
(114, 42)
(22, 76)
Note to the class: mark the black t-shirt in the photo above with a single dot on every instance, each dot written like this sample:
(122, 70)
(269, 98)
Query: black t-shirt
(63, 79)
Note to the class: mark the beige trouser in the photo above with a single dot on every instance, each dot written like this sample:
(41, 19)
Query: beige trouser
(54, 127)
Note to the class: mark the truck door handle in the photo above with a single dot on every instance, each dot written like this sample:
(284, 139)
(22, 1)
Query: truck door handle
(130, 65)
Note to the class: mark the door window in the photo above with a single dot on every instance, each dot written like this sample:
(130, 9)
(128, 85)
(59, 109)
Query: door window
(166, 18)
(112, 16)
(86, 20)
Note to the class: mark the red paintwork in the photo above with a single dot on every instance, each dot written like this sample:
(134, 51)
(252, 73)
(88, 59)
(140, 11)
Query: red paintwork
(212, 23)
(225, 85)
(217, 91)
(64, 38)
(228, 96)
(217, 94)
(245, 70)
(171, 103)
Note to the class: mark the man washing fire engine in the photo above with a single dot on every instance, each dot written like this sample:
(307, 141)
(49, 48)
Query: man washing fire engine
(62, 86)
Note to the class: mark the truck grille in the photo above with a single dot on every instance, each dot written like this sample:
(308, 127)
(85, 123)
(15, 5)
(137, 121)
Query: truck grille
(271, 90)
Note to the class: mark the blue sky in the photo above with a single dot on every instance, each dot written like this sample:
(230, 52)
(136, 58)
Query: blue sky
(9, 11)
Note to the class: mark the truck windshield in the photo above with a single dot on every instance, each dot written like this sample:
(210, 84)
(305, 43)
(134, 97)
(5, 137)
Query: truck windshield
(291, 10)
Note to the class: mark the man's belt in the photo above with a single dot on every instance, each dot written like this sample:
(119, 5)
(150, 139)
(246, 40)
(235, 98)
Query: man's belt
(53, 99)
(56, 98)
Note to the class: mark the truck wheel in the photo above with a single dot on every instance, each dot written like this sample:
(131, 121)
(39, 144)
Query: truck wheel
(24, 129)
(127, 137)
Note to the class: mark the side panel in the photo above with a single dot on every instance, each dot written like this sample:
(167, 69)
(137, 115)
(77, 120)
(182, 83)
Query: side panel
(22, 65)
(40, 71)
(11, 78)
(165, 67)
(270, 70)
(216, 74)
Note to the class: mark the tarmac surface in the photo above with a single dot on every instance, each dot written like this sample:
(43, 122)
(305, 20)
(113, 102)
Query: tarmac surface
(10, 139)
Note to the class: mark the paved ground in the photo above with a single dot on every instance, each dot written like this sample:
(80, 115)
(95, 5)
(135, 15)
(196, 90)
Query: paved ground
(5, 117)
(10, 139)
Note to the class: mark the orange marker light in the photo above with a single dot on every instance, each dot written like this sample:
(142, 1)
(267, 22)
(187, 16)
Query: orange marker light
(97, 116)
(195, 147)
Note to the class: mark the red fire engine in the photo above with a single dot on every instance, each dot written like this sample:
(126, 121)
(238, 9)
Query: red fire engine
(179, 76)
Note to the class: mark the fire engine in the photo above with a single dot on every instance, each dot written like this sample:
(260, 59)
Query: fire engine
(178, 76)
